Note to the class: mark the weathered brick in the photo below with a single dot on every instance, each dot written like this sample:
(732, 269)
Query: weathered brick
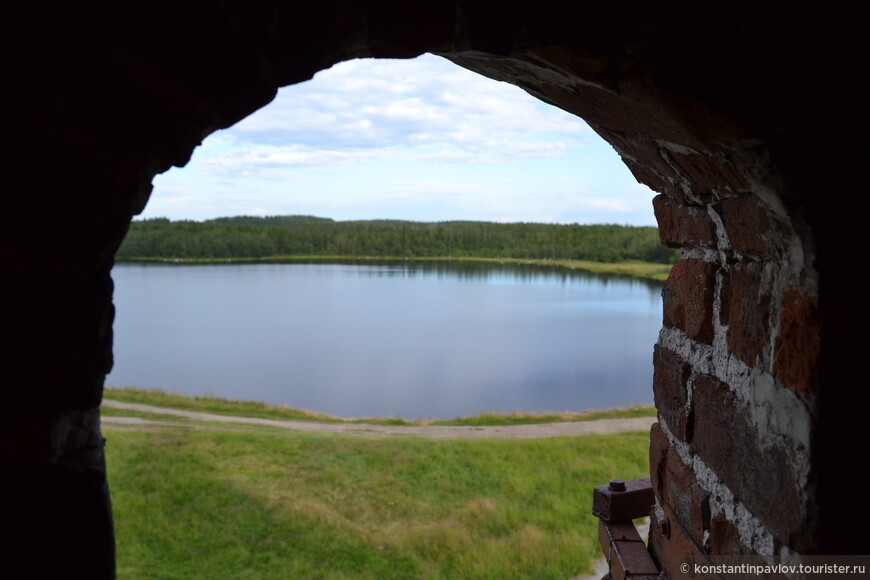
(765, 480)
(670, 390)
(683, 226)
(644, 159)
(653, 180)
(669, 544)
(648, 153)
(797, 348)
(689, 501)
(746, 223)
(725, 538)
(748, 313)
(687, 299)
(655, 540)
(709, 174)
(658, 454)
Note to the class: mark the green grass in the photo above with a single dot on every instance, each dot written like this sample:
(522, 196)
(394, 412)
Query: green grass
(217, 405)
(112, 412)
(211, 404)
(520, 418)
(266, 504)
(635, 268)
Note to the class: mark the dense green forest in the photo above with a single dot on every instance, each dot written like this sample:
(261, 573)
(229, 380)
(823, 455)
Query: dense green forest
(262, 237)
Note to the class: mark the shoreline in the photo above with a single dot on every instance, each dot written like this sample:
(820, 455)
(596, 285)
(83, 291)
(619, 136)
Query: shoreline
(634, 269)
(159, 399)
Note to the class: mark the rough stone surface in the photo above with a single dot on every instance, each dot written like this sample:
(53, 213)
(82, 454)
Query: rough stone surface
(762, 478)
(682, 226)
(687, 299)
(688, 500)
(709, 174)
(798, 345)
(658, 454)
(670, 542)
(645, 160)
(670, 390)
(725, 538)
(748, 313)
(746, 224)
(72, 438)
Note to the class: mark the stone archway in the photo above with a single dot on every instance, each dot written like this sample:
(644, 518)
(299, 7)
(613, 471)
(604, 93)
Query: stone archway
(729, 114)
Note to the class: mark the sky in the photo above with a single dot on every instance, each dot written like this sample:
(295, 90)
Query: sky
(420, 139)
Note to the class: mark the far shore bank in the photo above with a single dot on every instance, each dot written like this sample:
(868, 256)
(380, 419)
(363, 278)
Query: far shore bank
(633, 268)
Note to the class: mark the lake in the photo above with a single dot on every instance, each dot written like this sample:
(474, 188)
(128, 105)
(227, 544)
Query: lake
(409, 339)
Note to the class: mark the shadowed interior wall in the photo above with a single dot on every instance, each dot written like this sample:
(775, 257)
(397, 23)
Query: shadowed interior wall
(744, 119)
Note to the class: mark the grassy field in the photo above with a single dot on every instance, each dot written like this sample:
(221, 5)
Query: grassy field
(211, 404)
(262, 503)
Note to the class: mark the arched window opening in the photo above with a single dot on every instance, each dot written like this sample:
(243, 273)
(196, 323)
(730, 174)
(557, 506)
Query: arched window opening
(423, 146)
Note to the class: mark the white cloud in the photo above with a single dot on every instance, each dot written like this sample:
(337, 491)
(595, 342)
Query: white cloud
(425, 101)
(255, 160)
(414, 139)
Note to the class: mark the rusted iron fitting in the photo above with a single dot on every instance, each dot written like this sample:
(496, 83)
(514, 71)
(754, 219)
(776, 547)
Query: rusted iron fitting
(616, 505)
(616, 485)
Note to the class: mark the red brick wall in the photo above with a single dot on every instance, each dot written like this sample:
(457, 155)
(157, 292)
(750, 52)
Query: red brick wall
(734, 378)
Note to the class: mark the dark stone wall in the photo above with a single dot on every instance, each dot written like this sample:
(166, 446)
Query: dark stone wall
(744, 118)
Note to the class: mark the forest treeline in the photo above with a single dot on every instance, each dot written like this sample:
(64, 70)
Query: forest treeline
(261, 237)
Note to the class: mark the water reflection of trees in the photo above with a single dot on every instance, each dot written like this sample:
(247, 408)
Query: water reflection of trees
(483, 271)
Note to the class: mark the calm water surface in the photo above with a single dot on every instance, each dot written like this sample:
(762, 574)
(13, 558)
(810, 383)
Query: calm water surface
(413, 340)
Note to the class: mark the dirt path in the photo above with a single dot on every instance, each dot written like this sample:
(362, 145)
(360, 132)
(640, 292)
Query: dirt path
(599, 427)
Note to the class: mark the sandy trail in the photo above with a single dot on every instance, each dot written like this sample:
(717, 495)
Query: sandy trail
(535, 431)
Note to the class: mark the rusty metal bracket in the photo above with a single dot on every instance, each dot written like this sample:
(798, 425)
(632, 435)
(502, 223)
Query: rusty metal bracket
(623, 500)
(616, 504)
